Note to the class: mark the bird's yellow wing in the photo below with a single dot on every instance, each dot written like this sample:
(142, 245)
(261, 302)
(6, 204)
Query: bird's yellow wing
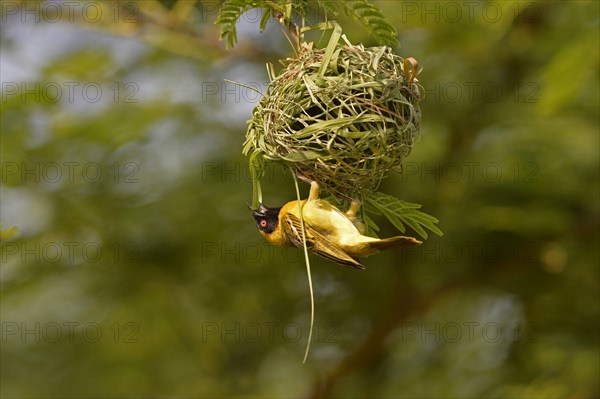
(316, 242)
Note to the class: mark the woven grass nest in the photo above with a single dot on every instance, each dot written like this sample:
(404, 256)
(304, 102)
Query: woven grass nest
(344, 116)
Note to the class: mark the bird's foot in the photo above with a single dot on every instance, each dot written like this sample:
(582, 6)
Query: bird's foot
(314, 186)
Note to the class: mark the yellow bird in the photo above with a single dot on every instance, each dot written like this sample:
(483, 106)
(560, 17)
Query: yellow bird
(330, 233)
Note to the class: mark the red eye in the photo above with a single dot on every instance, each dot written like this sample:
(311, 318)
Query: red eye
(263, 223)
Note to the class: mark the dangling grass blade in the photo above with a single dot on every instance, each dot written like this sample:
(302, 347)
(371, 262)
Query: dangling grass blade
(257, 170)
(307, 260)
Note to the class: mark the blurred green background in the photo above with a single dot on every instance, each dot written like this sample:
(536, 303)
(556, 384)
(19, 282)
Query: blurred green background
(137, 270)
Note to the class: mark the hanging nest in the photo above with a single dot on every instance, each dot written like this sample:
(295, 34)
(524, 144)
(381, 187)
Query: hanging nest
(343, 116)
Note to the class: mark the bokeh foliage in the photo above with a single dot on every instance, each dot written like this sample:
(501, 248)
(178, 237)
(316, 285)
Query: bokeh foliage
(508, 161)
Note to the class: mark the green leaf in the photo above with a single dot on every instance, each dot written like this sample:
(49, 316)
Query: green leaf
(371, 17)
(402, 213)
(8, 233)
(264, 18)
(229, 14)
(329, 6)
(372, 228)
(304, 156)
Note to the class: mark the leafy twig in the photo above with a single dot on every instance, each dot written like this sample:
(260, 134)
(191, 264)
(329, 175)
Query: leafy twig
(361, 11)
(401, 213)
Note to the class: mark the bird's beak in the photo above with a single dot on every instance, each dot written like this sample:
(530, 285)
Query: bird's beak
(263, 211)
(259, 212)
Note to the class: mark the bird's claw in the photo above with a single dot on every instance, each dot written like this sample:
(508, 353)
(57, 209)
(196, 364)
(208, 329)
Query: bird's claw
(304, 178)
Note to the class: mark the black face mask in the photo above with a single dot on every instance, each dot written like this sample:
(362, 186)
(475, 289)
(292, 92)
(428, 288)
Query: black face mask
(266, 218)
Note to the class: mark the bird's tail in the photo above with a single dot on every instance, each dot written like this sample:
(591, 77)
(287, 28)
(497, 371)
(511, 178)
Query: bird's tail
(393, 242)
